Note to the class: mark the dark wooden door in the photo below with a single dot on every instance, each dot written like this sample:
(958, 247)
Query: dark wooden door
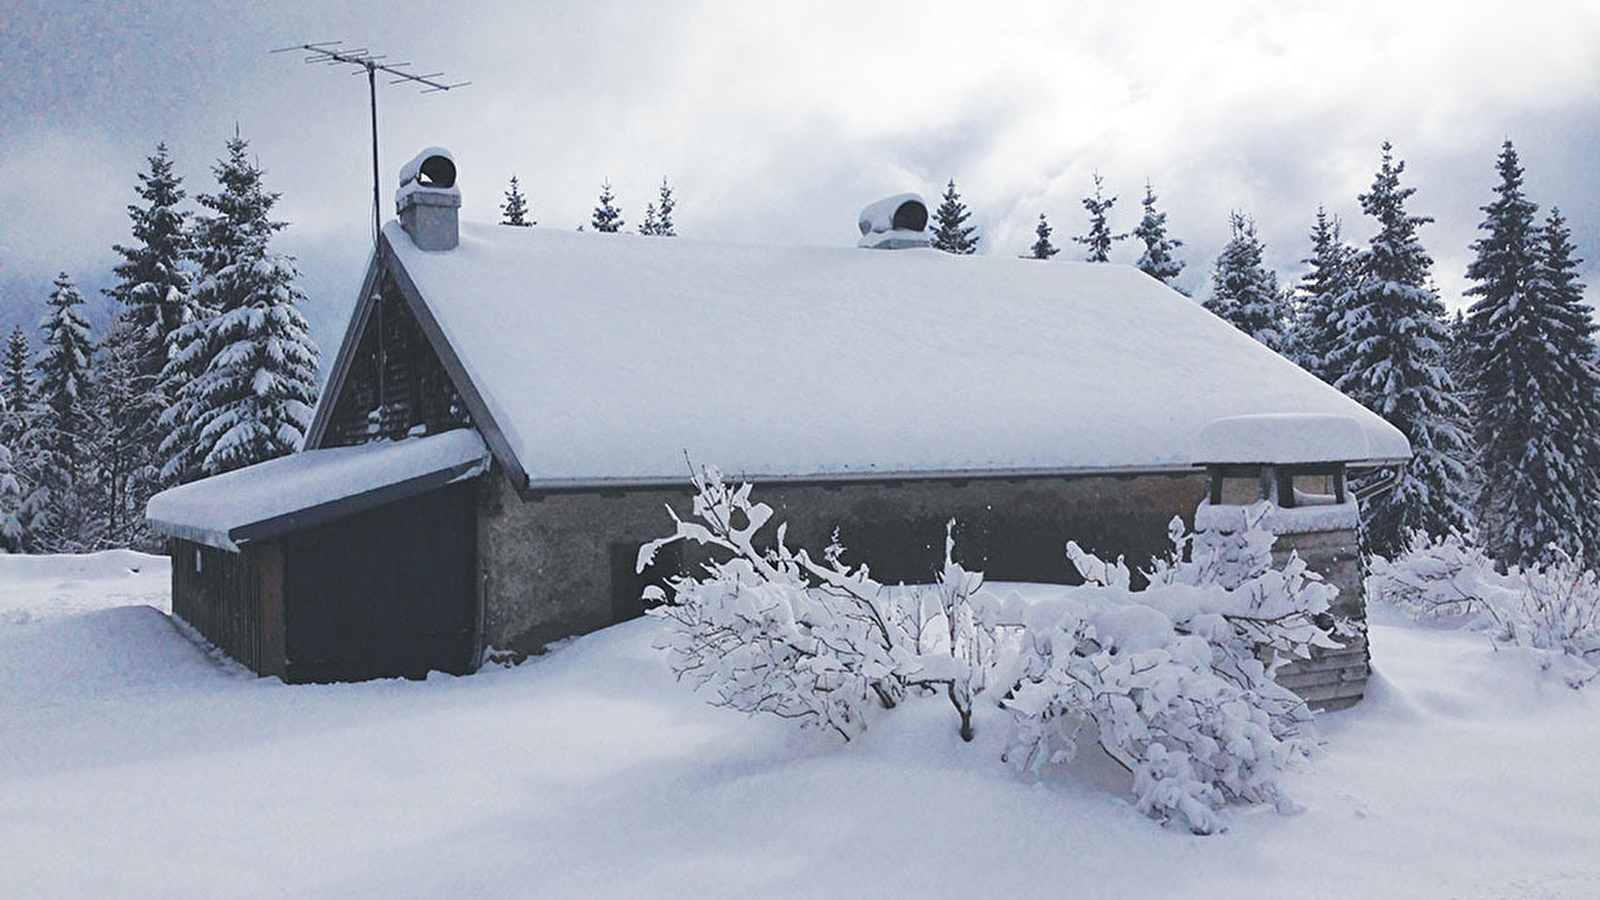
(384, 593)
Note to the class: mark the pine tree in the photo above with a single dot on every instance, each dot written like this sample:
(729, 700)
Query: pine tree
(607, 217)
(61, 439)
(153, 287)
(1528, 338)
(1391, 359)
(951, 234)
(1099, 238)
(1244, 291)
(515, 209)
(1157, 260)
(1325, 290)
(12, 532)
(649, 226)
(1042, 248)
(152, 284)
(16, 389)
(127, 471)
(664, 207)
(252, 360)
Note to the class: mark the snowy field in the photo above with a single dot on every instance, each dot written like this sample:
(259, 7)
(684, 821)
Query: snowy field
(134, 765)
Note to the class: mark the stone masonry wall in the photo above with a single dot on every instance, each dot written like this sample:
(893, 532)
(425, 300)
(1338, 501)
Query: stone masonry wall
(560, 563)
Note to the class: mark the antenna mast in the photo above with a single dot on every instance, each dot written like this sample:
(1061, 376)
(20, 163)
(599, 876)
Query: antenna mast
(330, 53)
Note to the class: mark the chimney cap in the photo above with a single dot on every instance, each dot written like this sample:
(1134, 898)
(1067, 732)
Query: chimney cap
(432, 168)
(894, 223)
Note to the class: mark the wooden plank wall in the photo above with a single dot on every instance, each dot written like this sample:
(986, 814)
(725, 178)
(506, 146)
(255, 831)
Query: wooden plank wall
(220, 594)
(395, 381)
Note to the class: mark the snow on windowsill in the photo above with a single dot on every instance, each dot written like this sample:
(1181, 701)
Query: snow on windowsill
(1231, 518)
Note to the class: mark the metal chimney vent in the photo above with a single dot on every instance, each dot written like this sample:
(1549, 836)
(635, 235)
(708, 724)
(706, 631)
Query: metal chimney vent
(894, 223)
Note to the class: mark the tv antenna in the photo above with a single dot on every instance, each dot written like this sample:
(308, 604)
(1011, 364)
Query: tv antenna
(332, 54)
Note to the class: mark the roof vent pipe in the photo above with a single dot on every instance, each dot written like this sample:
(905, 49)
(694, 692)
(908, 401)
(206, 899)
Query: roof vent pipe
(894, 223)
(428, 201)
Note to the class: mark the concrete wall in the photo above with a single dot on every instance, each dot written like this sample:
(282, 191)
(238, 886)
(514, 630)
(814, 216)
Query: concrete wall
(549, 560)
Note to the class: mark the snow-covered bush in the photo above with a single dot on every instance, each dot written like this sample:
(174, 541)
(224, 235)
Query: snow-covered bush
(1174, 681)
(1553, 609)
(776, 631)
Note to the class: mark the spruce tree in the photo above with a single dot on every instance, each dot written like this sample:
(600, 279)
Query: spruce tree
(1244, 291)
(16, 387)
(1528, 340)
(153, 289)
(1042, 248)
(12, 532)
(1157, 260)
(253, 362)
(1391, 360)
(152, 284)
(951, 233)
(515, 209)
(664, 207)
(62, 434)
(128, 473)
(649, 226)
(1099, 238)
(607, 217)
(1324, 292)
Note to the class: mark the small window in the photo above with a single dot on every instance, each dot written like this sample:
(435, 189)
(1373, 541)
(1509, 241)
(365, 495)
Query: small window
(197, 560)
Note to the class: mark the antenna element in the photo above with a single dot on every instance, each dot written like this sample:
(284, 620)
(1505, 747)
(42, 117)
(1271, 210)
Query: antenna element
(330, 53)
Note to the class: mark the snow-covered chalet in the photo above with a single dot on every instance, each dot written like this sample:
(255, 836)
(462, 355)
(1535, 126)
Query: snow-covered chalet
(511, 409)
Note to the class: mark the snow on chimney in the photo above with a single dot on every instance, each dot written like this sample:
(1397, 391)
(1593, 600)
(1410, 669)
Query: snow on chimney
(428, 201)
(894, 223)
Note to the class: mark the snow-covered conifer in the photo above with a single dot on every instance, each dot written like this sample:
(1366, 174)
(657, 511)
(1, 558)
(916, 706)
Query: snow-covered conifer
(1244, 291)
(62, 435)
(153, 288)
(951, 233)
(515, 209)
(607, 216)
(1157, 260)
(1099, 237)
(1391, 359)
(1042, 248)
(1528, 339)
(1325, 289)
(126, 461)
(649, 225)
(16, 388)
(11, 529)
(251, 361)
(664, 207)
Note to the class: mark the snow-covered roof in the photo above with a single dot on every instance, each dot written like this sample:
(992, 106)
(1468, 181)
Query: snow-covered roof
(606, 358)
(1289, 437)
(293, 492)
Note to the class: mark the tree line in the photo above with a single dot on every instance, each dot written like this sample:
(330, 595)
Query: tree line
(607, 216)
(1501, 404)
(207, 366)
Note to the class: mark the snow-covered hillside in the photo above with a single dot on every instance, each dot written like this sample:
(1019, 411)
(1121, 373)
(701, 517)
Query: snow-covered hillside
(134, 765)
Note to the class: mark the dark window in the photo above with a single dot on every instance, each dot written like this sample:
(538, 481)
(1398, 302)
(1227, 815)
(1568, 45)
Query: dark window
(628, 586)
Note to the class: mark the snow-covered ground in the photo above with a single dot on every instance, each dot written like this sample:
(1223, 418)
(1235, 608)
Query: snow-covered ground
(134, 765)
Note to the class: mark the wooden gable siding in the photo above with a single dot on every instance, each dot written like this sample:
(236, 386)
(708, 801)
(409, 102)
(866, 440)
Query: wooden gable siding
(395, 381)
(235, 600)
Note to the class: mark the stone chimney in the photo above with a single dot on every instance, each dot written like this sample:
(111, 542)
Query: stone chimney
(428, 201)
(894, 223)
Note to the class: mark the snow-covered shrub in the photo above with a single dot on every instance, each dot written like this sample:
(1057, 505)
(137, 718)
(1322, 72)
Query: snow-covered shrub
(776, 631)
(1554, 609)
(1174, 681)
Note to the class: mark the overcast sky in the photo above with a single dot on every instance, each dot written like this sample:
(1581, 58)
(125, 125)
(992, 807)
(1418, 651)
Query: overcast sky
(776, 122)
